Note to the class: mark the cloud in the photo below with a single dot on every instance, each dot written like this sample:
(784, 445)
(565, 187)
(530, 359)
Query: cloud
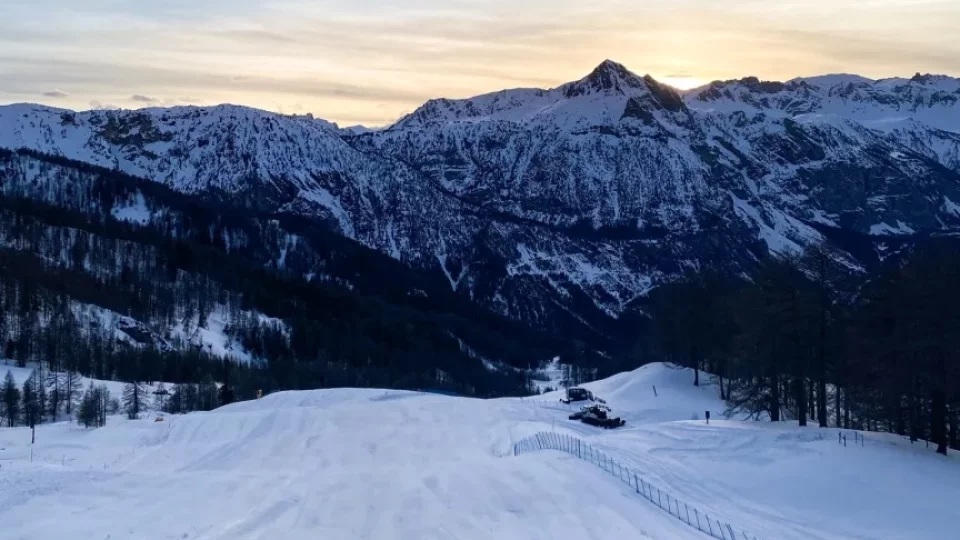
(56, 94)
(143, 99)
(349, 63)
(97, 105)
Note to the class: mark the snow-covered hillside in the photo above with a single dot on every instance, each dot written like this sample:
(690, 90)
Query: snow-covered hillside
(559, 207)
(21, 374)
(368, 464)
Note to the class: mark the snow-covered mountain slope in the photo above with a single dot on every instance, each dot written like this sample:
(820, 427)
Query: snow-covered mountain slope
(930, 99)
(559, 207)
(372, 464)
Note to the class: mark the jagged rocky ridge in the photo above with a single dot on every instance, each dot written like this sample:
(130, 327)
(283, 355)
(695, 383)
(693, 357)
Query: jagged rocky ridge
(561, 207)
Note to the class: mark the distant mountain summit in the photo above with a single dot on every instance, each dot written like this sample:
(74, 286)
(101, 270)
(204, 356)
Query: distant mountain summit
(609, 76)
(561, 207)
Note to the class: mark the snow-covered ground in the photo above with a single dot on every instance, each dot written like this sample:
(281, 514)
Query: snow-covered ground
(350, 463)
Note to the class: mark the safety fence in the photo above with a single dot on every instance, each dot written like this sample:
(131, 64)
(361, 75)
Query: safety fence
(690, 515)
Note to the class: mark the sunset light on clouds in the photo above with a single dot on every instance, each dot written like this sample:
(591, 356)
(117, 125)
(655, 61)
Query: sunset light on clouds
(370, 61)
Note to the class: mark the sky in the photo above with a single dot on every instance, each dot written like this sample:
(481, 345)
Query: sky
(371, 61)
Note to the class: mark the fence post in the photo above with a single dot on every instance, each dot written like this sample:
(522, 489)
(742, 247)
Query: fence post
(659, 500)
(697, 514)
(687, 507)
(579, 455)
(721, 531)
(635, 483)
(709, 524)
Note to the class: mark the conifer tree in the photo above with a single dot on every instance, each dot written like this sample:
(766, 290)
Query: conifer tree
(105, 404)
(207, 397)
(71, 389)
(31, 402)
(134, 399)
(89, 415)
(54, 383)
(10, 400)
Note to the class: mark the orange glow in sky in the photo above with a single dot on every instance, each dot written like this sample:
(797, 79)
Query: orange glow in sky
(370, 61)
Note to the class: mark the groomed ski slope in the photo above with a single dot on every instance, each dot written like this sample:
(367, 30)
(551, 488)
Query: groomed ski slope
(358, 464)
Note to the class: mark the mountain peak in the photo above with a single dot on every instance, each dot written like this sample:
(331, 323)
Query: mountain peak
(609, 66)
(608, 76)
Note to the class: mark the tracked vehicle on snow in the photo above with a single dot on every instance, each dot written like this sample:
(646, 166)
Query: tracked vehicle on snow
(596, 415)
(580, 394)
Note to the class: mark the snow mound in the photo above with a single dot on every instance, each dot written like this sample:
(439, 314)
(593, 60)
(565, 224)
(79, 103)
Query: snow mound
(631, 394)
(372, 464)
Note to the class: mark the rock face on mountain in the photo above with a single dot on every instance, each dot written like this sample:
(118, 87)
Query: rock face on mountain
(560, 207)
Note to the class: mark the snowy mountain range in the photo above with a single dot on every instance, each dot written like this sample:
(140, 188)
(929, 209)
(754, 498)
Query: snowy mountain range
(561, 207)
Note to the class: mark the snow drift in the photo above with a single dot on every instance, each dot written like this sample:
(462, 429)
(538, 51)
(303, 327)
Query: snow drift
(351, 463)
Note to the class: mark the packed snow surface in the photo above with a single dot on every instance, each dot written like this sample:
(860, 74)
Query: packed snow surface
(350, 463)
